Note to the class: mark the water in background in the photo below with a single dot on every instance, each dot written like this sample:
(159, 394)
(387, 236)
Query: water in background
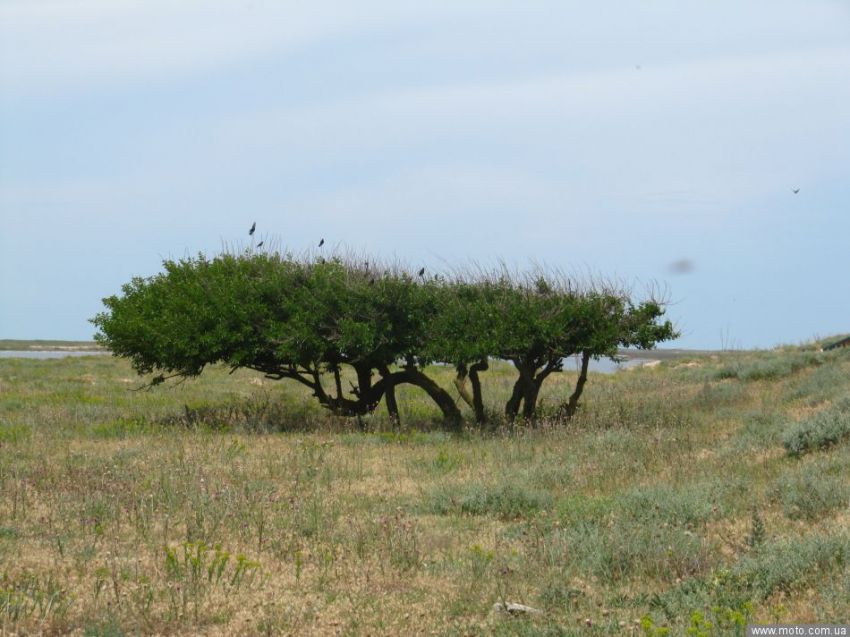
(603, 366)
(36, 353)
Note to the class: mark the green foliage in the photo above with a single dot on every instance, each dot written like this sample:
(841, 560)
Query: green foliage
(824, 429)
(825, 383)
(760, 429)
(536, 322)
(262, 311)
(12, 434)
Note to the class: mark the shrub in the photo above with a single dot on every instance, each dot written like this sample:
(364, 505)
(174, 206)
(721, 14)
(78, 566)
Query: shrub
(823, 430)
(787, 565)
(812, 495)
(619, 549)
(779, 566)
(760, 429)
(769, 366)
(689, 505)
(823, 384)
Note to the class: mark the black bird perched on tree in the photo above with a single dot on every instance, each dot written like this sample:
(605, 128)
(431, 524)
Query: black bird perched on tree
(422, 272)
(321, 243)
(253, 227)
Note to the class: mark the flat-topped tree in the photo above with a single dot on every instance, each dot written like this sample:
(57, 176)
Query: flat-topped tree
(535, 322)
(472, 325)
(566, 320)
(243, 311)
(307, 320)
(379, 318)
(528, 321)
(287, 318)
(611, 325)
(545, 321)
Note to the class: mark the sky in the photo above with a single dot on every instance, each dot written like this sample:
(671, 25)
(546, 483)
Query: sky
(658, 143)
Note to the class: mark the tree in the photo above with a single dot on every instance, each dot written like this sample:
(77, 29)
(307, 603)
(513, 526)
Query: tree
(536, 322)
(285, 318)
(618, 324)
(467, 332)
(309, 320)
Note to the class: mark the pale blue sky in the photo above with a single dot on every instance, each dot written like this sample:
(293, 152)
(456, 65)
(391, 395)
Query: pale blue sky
(614, 137)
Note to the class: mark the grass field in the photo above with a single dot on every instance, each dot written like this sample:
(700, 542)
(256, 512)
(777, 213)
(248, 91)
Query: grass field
(695, 495)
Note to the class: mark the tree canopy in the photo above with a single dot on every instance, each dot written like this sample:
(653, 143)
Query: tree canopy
(309, 319)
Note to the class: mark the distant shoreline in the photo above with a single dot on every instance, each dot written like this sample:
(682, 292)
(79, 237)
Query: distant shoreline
(663, 354)
(46, 345)
(49, 346)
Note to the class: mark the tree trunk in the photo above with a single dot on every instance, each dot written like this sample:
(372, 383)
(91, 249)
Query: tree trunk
(389, 397)
(414, 376)
(460, 384)
(477, 397)
(527, 387)
(367, 398)
(364, 389)
(364, 379)
(338, 382)
(523, 392)
(512, 406)
(529, 398)
(475, 400)
(568, 409)
(444, 401)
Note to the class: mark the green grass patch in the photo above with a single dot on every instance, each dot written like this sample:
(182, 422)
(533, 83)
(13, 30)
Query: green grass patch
(504, 500)
(769, 365)
(812, 494)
